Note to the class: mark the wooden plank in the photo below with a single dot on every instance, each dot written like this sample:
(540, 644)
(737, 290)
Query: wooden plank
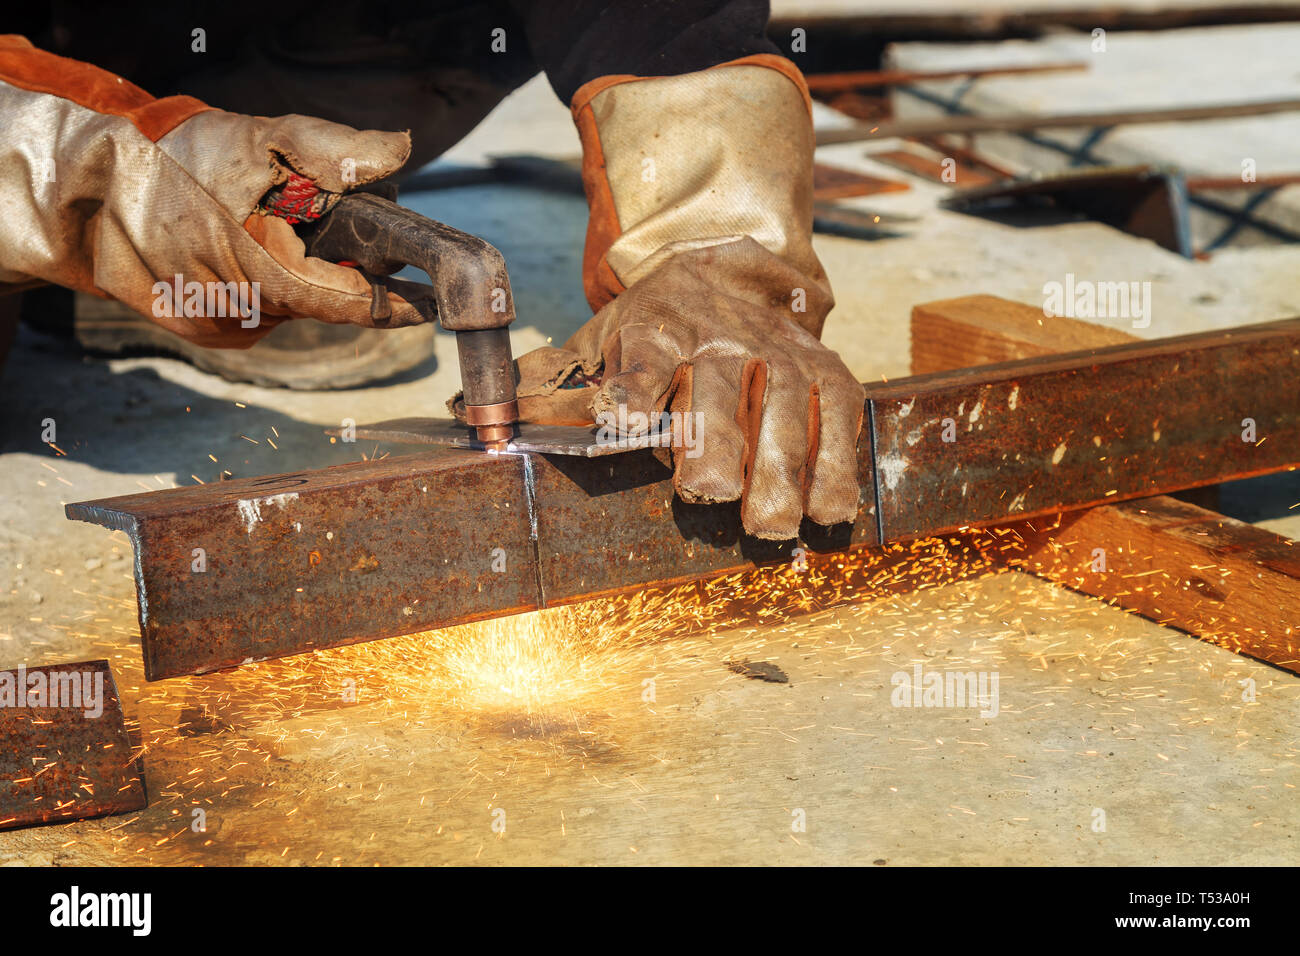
(1220, 579)
(1178, 564)
(984, 329)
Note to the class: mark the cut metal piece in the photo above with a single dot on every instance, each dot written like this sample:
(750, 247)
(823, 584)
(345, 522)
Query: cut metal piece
(835, 182)
(1149, 202)
(957, 173)
(64, 749)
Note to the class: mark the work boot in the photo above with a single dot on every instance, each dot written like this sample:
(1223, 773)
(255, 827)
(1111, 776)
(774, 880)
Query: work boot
(299, 354)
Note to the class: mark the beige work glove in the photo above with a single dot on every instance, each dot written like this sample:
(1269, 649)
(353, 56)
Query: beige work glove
(711, 300)
(110, 191)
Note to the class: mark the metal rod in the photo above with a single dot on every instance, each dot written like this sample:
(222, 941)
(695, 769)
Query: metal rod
(1020, 122)
(871, 79)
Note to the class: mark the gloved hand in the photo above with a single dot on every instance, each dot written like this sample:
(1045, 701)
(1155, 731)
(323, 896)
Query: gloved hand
(775, 413)
(110, 191)
(710, 298)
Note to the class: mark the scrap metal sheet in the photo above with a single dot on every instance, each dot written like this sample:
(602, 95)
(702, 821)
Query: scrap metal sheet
(64, 749)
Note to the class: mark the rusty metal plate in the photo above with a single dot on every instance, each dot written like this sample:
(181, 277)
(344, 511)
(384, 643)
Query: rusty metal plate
(1066, 431)
(262, 567)
(835, 182)
(933, 169)
(66, 754)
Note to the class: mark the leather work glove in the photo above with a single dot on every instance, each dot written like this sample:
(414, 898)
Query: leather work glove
(110, 191)
(710, 298)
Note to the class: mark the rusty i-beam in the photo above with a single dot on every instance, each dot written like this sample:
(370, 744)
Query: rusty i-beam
(264, 567)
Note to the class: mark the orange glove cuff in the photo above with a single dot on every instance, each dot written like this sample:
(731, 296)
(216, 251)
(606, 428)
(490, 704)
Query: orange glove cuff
(28, 68)
(600, 282)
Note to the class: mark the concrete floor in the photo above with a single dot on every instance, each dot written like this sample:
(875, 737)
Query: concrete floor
(1098, 710)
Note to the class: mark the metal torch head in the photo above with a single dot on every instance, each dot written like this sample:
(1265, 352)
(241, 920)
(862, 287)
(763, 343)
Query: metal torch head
(487, 375)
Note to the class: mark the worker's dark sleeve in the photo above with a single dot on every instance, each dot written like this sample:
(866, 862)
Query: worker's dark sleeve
(574, 41)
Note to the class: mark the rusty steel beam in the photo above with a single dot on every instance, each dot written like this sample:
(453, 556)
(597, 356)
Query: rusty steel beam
(64, 749)
(382, 548)
(251, 569)
(1040, 435)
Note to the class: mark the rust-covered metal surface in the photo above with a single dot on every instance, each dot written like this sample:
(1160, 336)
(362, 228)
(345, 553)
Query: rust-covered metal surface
(610, 525)
(262, 567)
(64, 749)
(1047, 434)
(382, 548)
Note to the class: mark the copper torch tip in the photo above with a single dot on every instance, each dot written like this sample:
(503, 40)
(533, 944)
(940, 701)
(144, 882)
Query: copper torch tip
(495, 437)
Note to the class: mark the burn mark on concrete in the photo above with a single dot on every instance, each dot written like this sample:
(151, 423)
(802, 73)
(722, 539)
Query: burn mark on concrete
(759, 670)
